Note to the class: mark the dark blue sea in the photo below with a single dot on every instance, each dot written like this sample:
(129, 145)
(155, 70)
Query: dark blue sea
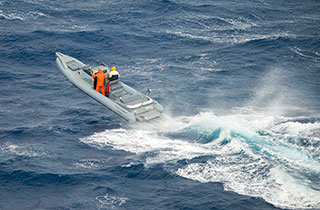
(239, 81)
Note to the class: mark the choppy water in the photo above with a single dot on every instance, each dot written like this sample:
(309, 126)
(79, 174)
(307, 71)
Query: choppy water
(240, 82)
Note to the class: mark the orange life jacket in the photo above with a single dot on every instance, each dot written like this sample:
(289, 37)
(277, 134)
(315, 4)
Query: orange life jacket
(100, 78)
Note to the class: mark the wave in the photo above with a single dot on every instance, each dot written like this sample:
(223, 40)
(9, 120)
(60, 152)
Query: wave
(252, 154)
(308, 54)
(91, 163)
(217, 38)
(19, 150)
(11, 16)
(113, 202)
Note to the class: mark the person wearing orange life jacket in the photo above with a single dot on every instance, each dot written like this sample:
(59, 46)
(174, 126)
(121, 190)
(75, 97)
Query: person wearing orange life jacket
(100, 81)
(113, 75)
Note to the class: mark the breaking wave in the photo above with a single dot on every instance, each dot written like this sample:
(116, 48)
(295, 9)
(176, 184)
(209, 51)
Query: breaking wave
(252, 154)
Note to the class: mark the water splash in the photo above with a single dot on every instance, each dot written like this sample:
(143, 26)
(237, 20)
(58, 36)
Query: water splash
(250, 153)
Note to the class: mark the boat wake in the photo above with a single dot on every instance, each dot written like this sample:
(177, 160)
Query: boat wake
(275, 158)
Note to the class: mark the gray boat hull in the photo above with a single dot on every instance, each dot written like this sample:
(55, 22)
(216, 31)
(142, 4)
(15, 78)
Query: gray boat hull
(123, 100)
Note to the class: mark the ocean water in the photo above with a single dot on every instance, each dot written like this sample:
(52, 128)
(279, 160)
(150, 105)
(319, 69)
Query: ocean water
(239, 80)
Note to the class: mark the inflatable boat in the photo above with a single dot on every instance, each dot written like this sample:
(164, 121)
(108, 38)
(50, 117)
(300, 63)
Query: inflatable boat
(125, 101)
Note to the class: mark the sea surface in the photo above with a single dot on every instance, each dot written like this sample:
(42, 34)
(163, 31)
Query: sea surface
(239, 80)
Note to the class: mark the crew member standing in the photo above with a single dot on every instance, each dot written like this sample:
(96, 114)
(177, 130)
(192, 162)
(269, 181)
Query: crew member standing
(100, 81)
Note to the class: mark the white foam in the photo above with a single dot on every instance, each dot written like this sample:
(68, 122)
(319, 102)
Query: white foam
(213, 33)
(239, 23)
(297, 51)
(229, 38)
(35, 15)
(297, 129)
(20, 150)
(143, 141)
(291, 192)
(91, 163)
(251, 178)
(307, 54)
(113, 202)
(11, 16)
(21, 16)
(250, 163)
(33, 1)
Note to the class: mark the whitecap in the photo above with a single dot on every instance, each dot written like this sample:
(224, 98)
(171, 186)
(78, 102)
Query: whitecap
(108, 201)
(91, 163)
(20, 150)
(247, 155)
(229, 38)
(11, 16)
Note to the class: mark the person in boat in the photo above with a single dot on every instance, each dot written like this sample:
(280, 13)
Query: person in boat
(100, 81)
(113, 75)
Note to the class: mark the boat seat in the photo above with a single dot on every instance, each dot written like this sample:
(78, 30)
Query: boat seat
(115, 85)
(114, 82)
(119, 93)
(74, 65)
(131, 99)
